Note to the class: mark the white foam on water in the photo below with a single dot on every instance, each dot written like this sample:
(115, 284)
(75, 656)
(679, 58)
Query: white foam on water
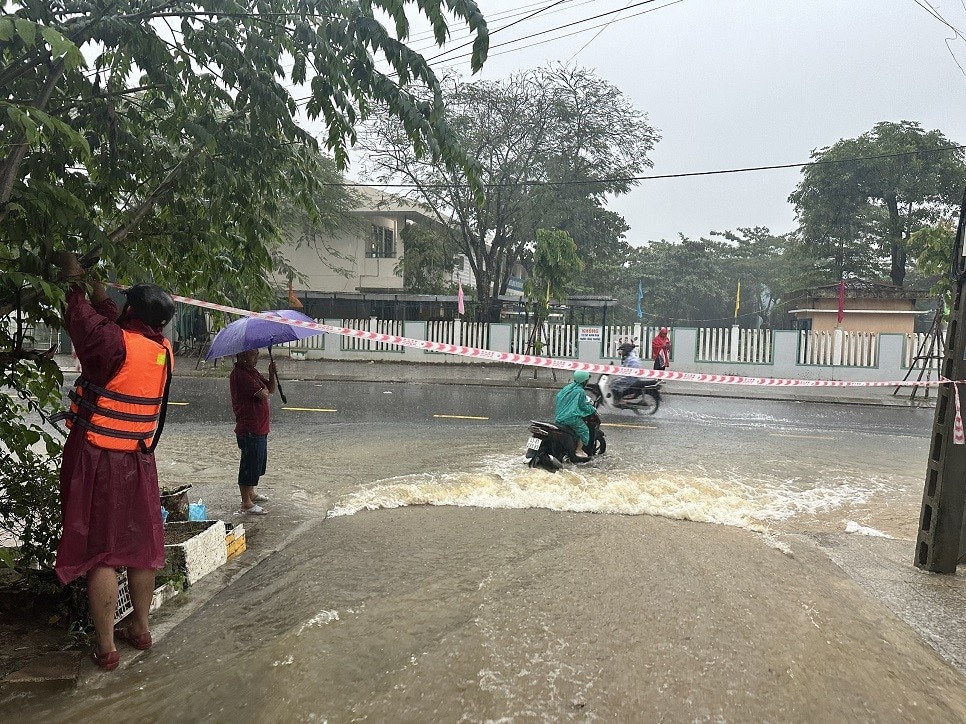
(738, 497)
(853, 527)
(322, 618)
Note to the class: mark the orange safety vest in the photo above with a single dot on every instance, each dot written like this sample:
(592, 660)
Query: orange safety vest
(124, 414)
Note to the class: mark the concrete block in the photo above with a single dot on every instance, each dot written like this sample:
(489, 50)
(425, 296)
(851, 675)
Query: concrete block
(200, 548)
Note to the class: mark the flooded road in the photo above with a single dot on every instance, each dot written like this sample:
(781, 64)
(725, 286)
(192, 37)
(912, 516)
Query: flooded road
(431, 576)
(757, 464)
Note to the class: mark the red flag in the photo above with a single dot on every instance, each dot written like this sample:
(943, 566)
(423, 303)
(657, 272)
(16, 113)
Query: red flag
(459, 301)
(841, 301)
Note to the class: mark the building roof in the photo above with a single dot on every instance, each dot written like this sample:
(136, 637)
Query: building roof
(376, 201)
(858, 289)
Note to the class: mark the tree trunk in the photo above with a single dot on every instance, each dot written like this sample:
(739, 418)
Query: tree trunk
(898, 271)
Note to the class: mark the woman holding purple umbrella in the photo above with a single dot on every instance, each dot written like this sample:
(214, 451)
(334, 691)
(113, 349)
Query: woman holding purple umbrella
(249, 401)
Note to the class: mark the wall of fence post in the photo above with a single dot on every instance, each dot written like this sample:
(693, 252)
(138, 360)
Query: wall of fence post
(753, 353)
(837, 346)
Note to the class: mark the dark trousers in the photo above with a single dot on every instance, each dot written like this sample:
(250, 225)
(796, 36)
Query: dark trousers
(254, 458)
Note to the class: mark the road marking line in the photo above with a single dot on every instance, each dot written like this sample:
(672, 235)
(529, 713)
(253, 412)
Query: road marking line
(461, 417)
(178, 403)
(309, 409)
(802, 437)
(622, 424)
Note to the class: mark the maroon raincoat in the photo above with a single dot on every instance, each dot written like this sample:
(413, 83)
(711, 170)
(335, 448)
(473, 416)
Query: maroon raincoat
(110, 506)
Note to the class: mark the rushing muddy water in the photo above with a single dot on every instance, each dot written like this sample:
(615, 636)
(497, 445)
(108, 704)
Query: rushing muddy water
(506, 602)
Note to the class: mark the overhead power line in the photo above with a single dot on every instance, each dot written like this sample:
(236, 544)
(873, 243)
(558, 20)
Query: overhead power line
(545, 8)
(598, 33)
(565, 35)
(657, 177)
(572, 24)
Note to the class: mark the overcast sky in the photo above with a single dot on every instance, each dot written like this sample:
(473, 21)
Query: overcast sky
(742, 83)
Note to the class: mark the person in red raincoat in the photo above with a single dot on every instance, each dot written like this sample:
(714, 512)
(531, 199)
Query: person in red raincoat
(110, 504)
(661, 350)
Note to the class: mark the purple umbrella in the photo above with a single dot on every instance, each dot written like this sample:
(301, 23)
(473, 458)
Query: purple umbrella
(254, 333)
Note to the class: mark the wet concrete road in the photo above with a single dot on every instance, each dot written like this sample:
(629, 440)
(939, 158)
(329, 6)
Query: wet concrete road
(452, 583)
(206, 400)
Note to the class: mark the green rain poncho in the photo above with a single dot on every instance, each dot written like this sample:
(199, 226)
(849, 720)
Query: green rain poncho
(571, 407)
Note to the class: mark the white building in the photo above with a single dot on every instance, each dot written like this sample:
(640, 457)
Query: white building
(358, 263)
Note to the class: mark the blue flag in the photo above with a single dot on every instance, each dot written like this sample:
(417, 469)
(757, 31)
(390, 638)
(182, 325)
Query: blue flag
(640, 298)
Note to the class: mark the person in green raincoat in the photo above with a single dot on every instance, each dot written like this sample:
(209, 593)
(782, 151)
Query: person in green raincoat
(571, 407)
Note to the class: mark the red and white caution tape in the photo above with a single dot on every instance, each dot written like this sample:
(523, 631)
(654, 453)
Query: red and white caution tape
(571, 365)
(958, 437)
(560, 364)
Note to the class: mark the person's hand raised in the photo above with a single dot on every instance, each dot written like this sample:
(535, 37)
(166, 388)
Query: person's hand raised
(70, 266)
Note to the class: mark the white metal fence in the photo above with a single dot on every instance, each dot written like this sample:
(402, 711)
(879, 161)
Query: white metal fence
(458, 332)
(314, 342)
(555, 340)
(642, 336)
(853, 349)
(394, 327)
(731, 344)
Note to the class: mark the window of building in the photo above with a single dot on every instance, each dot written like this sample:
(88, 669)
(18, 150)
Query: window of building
(382, 245)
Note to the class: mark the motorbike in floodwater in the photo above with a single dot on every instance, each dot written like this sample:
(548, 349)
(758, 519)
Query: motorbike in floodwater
(643, 397)
(551, 445)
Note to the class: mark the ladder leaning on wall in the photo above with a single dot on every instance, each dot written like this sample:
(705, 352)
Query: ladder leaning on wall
(930, 354)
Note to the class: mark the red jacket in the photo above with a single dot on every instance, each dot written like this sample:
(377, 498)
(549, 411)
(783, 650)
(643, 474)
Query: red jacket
(661, 343)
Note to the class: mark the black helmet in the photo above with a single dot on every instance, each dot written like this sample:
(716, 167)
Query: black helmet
(151, 304)
(626, 348)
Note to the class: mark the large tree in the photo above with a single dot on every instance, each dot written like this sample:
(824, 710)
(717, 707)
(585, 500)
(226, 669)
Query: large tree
(862, 198)
(694, 281)
(168, 139)
(548, 145)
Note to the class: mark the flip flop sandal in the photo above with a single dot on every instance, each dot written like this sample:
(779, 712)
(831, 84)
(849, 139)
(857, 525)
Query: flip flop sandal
(141, 642)
(108, 661)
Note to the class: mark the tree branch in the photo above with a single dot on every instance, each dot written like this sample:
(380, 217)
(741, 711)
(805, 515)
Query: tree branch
(11, 164)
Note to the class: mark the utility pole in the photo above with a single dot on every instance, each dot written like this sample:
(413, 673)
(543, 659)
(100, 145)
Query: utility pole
(940, 542)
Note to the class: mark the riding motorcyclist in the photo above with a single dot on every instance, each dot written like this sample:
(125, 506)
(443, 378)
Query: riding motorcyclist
(570, 409)
(624, 385)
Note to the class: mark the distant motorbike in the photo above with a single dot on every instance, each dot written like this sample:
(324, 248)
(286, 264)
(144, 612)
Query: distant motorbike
(643, 398)
(551, 445)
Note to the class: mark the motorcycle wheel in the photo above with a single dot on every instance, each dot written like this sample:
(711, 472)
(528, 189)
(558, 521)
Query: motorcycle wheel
(648, 404)
(600, 446)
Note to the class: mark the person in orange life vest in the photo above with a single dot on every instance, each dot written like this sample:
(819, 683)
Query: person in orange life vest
(661, 350)
(110, 503)
(249, 400)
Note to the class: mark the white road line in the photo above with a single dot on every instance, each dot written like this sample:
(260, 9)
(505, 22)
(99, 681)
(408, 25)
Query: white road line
(309, 409)
(801, 437)
(460, 417)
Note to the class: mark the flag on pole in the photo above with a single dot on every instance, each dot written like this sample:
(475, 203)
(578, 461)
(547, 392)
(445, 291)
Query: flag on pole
(460, 306)
(841, 301)
(640, 299)
(737, 301)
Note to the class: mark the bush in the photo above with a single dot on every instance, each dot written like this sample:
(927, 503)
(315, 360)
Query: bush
(30, 454)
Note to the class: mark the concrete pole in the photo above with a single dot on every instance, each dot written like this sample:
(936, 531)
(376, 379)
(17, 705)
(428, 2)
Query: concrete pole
(733, 350)
(939, 543)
